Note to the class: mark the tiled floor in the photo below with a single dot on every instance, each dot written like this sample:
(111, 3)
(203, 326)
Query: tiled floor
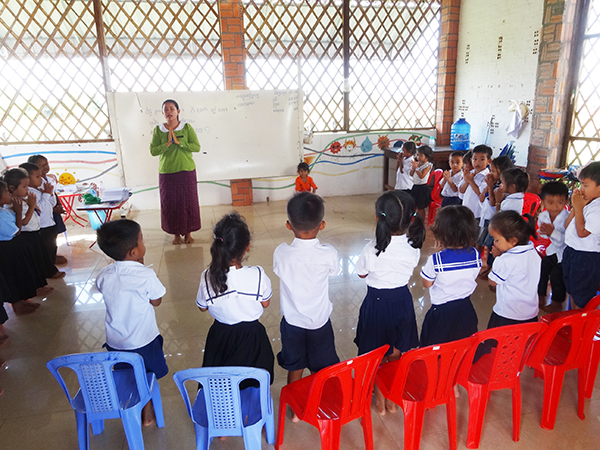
(35, 414)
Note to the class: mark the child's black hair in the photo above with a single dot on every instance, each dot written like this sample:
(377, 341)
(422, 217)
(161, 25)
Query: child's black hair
(3, 187)
(467, 157)
(511, 224)
(231, 238)
(29, 167)
(303, 166)
(395, 212)
(502, 163)
(305, 211)
(555, 188)
(34, 159)
(410, 146)
(426, 150)
(592, 172)
(453, 154)
(13, 177)
(483, 149)
(455, 227)
(118, 237)
(516, 176)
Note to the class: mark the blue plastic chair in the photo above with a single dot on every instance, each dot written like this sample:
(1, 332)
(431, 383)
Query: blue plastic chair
(108, 393)
(221, 408)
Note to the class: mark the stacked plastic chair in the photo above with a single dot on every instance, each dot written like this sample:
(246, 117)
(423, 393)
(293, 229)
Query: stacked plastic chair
(222, 408)
(436, 197)
(109, 393)
(531, 203)
(333, 397)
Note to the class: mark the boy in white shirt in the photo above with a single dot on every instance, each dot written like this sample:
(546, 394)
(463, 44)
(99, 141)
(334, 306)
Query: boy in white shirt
(304, 268)
(474, 181)
(404, 161)
(551, 224)
(581, 258)
(131, 291)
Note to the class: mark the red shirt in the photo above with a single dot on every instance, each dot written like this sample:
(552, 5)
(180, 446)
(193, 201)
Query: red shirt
(301, 186)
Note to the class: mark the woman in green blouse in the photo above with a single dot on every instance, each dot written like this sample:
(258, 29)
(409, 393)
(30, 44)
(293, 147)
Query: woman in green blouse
(174, 142)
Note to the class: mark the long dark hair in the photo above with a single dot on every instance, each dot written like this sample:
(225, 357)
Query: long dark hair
(395, 212)
(230, 240)
(510, 224)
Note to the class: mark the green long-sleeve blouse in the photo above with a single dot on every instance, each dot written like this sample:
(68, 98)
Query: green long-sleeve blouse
(175, 158)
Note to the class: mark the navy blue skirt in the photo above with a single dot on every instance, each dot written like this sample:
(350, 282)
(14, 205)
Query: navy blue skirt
(387, 316)
(153, 354)
(451, 321)
(447, 201)
(421, 193)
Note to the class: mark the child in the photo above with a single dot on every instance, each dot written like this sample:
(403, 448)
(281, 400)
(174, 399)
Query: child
(304, 268)
(515, 182)
(421, 191)
(516, 269)
(46, 200)
(467, 167)
(131, 291)
(404, 159)
(57, 209)
(304, 183)
(581, 258)
(475, 179)
(452, 180)
(387, 314)
(8, 229)
(551, 223)
(450, 276)
(236, 297)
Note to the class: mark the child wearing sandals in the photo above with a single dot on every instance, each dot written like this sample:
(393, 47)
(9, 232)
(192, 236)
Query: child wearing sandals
(450, 275)
(387, 314)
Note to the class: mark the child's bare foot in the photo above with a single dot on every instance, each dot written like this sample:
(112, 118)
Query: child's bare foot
(148, 414)
(484, 272)
(3, 339)
(177, 240)
(456, 391)
(552, 307)
(23, 308)
(222, 438)
(295, 418)
(189, 239)
(380, 408)
(491, 288)
(61, 260)
(2, 363)
(43, 291)
(391, 407)
(58, 275)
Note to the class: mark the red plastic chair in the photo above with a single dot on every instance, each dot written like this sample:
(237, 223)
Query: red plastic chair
(592, 366)
(436, 191)
(333, 397)
(422, 379)
(531, 203)
(500, 369)
(565, 345)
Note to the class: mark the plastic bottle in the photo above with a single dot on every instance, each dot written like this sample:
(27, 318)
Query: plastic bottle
(460, 135)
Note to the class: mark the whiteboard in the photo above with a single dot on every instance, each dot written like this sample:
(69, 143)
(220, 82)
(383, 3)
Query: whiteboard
(242, 134)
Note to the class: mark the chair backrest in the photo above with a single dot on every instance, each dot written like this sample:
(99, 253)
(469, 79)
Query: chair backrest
(531, 203)
(433, 372)
(572, 335)
(98, 387)
(347, 385)
(222, 398)
(506, 361)
(593, 304)
(435, 177)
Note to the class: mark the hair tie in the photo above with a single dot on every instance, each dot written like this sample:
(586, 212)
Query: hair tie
(383, 214)
(217, 238)
(415, 214)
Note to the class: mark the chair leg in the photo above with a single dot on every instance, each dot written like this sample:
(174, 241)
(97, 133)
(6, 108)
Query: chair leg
(252, 436)
(157, 404)
(280, 423)
(367, 426)
(451, 418)
(581, 381)
(83, 431)
(553, 381)
(516, 409)
(413, 424)
(202, 439)
(330, 431)
(592, 369)
(478, 398)
(132, 423)
(270, 426)
(97, 427)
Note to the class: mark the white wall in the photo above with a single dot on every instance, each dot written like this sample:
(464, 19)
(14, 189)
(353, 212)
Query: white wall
(490, 72)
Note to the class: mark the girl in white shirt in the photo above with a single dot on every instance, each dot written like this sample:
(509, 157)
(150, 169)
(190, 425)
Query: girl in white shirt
(387, 314)
(235, 296)
(516, 269)
(421, 168)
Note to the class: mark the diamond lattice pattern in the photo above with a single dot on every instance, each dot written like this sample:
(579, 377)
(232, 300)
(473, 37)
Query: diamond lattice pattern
(51, 86)
(163, 45)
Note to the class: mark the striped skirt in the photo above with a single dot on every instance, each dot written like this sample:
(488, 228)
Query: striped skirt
(179, 206)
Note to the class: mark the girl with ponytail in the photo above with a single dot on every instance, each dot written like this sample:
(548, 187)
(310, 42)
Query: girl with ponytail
(387, 314)
(516, 269)
(235, 296)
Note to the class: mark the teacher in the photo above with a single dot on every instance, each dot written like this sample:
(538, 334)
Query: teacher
(174, 142)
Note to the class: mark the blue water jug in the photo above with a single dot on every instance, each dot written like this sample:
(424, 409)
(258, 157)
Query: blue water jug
(460, 135)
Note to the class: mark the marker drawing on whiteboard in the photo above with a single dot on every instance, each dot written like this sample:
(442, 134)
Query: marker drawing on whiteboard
(139, 103)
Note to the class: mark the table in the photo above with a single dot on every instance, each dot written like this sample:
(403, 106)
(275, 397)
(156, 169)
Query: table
(106, 207)
(440, 161)
(67, 201)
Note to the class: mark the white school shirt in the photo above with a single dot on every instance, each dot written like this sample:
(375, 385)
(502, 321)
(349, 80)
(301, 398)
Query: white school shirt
(46, 203)
(513, 202)
(403, 179)
(457, 179)
(591, 243)
(453, 272)
(247, 287)
(487, 210)
(393, 267)
(517, 272)
(557, 238)
(127, 288)
(304, 268)
(416, 178)
(8, 225)
(34, 222)
(470, 199)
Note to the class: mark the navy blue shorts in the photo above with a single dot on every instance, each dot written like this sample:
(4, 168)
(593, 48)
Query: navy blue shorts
(451, 201)
(581, 274)
(154, 357)
(448, 322)
(302, 348)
